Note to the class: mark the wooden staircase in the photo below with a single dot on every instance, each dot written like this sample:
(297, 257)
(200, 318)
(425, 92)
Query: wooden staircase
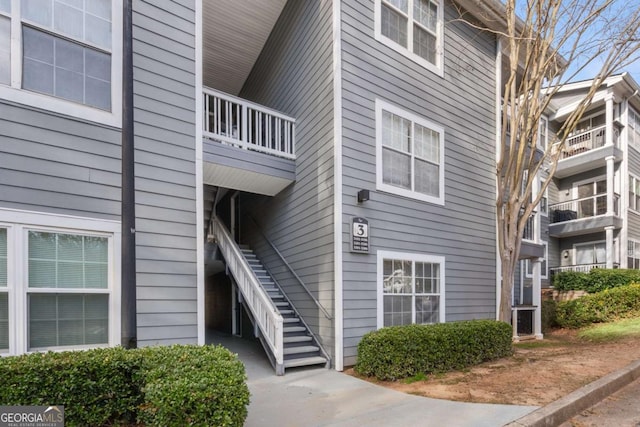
(300, 347)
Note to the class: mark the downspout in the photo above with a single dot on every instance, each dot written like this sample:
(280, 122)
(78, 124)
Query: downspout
(128, 278)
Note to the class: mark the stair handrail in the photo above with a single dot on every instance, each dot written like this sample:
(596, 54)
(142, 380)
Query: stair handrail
(320, 306)
(264, 311)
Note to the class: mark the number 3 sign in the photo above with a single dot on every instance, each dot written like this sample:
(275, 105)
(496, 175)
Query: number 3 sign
(360, 235)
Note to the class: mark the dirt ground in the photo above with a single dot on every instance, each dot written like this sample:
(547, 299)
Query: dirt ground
(538, 373)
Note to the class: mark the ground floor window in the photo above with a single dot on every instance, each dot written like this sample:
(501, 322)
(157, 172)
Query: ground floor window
(410, 288)
(633, 254)
(59, 283)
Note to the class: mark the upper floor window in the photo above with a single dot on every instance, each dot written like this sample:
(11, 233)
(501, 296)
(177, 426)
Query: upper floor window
(409, 154)
(64, 56)
(414, 28)
(634, 193)
(634, 129)
(543, 133)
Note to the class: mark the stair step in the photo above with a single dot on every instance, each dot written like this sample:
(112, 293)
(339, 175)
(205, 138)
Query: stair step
(282, 304)
(301, 349)
(297, 339)
(291, 329)
(286, 312)
(304, 361)
(290, 320)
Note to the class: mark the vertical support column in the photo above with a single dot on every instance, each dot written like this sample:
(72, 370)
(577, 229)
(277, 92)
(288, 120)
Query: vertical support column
(610, 185)
(608, 120)
(610, 252)
(537, 298)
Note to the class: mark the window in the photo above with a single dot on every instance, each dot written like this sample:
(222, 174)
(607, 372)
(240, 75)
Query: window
(414, 28)
(542, 133)
(591, 198)
(634, 129)
(409, 155)
(411, 289)
(633, 254)
(4, 295)
(544, 268)
(544, 201)
(69, 56)
(591, 253)
(634, 193)
(61, 269)
(60, 283)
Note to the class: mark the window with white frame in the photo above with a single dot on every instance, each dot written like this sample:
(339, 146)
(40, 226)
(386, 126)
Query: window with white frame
(634, 193)
(4, 294)
(414, 28)
(68, 290)
(544, 200)
(542, 133)
(409, 154)
(59, 282)
(634, 129)
(633, 254)
(544, 268)
(411, 289)
(69, 56)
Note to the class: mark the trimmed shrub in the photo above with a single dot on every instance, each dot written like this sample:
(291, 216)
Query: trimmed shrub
(178, 385)
(404, 351)
(605, 306)
(549, 315)
(597, 280)
(193, 386)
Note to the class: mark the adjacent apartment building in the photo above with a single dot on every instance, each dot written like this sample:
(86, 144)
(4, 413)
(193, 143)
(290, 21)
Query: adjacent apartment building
(305, 171)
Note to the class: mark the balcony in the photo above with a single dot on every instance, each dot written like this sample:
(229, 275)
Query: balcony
(586, 151)
(529, 248)
(247, 146)
(583, 216)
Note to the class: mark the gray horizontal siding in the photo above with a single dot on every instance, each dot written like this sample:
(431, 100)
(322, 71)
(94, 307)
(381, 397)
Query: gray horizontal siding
(164, 101)
(294, 75)
(463, 230)
(57, 164)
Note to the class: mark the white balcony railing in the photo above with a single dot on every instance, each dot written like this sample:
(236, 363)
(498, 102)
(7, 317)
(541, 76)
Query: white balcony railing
(582, 208)
(262, 307)
(586, 141)
(581, 268)
(240, 123)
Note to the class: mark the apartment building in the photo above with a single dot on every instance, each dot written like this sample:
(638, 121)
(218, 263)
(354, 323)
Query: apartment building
(305, 171)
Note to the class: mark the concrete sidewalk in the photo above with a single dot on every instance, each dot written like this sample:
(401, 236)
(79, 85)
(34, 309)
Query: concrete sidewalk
(323, 397)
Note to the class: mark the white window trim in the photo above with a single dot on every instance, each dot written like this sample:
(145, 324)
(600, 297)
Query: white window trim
(380, 185)
(18, 223)
(591, 243)
(543, 212)
(544, 273)
(546, 127)
(593, 180)
(15, 93)
(414, 257)
(631, 185)
(436, 68)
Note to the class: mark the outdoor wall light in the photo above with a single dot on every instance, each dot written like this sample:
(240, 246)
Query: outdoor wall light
(363, 196)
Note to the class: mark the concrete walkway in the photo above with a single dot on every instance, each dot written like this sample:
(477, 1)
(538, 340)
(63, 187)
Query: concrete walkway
(323, 397)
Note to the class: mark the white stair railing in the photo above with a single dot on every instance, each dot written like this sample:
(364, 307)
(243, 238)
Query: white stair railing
(264, 311)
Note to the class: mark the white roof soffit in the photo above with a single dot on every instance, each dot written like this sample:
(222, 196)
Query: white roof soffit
(234, 33)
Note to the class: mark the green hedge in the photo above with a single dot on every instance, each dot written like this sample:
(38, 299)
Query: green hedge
(404, 351)
(597, 280)
(605, 306)
(156, 386)
(549, 315)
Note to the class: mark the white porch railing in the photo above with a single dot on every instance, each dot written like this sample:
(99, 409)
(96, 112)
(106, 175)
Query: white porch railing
(238, 122)
(586, 141)
(264, 311)
(582, 268)
(582, 208)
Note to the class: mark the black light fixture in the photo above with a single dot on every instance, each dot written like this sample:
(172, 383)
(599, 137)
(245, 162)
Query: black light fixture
(363, 196)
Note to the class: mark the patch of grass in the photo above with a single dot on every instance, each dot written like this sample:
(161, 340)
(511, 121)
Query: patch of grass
(612, 331)
(417, 377)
